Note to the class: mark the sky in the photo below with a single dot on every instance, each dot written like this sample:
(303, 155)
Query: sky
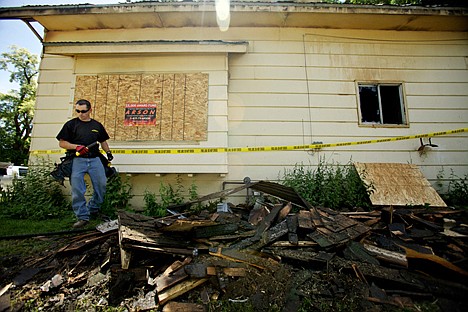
(13, 32)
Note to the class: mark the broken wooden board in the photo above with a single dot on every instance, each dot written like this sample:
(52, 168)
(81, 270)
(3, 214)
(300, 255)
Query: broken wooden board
(183, 307)
(179, 290)
(311, 258)
(304, 220)
(288, 194)
(357, 252)
(387, 255)
(243, 257)
(215, 230)
(435, 266)
(406, 281)
(187, 225)
(298, 244)
(141, 232)
(84, 241)
(233, 272)
(261, 231)
(165, 281)
(398, 185)
(337, 229)
(201, 270)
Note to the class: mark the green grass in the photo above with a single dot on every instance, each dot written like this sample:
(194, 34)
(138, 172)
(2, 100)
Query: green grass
(32, 244)
(10, 227)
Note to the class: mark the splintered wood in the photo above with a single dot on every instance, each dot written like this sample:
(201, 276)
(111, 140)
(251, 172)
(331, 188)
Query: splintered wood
(223, 246)
(398, 185)
(181, 104)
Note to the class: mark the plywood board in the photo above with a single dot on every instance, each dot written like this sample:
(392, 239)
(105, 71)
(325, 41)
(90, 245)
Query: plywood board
(398, 185)
(181, 104)
(151, 92)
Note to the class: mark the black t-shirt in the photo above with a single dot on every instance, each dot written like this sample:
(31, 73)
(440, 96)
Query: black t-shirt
(84, 133)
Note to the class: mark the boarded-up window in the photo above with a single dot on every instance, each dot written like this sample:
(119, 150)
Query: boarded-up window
(181, 102)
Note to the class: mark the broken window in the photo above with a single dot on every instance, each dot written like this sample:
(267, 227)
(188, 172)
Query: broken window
(382, 104)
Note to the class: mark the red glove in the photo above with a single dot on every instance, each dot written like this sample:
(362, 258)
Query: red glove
(81, 150)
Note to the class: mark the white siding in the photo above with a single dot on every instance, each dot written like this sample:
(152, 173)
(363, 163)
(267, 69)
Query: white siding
(52, 103)
(302, 89)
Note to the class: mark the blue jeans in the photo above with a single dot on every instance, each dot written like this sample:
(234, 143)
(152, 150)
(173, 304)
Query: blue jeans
(95, 169)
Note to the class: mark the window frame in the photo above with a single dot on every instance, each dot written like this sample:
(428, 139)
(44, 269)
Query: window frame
(381, 124)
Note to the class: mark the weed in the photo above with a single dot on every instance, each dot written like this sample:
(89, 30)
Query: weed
(193, 191)
(329, 185)
(118, 195)
(37, 196)
(457, 189)
(169, 195)
(152, 207)
(193, 195)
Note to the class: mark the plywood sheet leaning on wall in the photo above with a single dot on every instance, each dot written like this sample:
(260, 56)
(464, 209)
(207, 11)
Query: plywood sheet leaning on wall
(181, 104)
(398, 185)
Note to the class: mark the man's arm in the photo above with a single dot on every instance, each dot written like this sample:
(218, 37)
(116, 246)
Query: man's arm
(105, 147)
(67, 145)
(80, 149)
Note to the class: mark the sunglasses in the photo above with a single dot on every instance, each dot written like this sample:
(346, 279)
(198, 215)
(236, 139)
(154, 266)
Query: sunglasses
(82, 111)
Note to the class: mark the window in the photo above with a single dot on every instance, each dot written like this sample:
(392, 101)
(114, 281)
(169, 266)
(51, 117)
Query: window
(382, 104)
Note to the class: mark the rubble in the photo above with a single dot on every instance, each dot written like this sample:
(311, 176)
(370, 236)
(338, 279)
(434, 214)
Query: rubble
(280, 254)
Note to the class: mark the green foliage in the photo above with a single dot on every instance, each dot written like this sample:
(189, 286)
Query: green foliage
(329, 185)
(193, 191)
(118, 195)
(168, 195)
(457, 190)
(36, 196)
(172, 195)
(17, 107)
(152, 207)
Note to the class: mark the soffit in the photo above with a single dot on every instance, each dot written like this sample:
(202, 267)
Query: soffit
(246, 14)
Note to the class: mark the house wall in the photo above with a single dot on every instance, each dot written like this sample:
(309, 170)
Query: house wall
(301, 89)
(292, 87)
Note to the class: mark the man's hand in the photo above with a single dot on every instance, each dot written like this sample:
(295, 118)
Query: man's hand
(81, 150)
(109, 156)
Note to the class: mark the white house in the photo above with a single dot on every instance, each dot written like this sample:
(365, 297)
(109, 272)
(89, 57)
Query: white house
(261, 74)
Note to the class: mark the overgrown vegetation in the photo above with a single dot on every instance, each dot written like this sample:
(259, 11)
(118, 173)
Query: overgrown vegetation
(329, 185)
(168, 195)
(118, 195)
(35, 196)
(457, 190)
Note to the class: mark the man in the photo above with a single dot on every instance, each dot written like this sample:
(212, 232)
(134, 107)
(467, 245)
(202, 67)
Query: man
(77, 137)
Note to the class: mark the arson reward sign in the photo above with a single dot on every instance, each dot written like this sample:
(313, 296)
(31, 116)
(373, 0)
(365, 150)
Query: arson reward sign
(140, 114)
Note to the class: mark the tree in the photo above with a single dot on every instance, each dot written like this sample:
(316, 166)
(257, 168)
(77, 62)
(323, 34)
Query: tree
(17, 106)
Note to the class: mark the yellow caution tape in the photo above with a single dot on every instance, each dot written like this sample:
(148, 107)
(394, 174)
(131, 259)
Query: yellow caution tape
(261, 148)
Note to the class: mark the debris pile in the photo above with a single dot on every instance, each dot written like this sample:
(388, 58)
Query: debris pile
(278, 254)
